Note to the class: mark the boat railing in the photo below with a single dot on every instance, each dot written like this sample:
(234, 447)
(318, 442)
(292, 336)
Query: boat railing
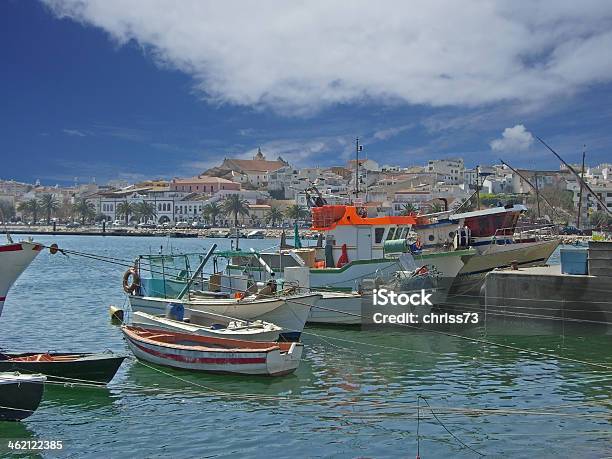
(540, 231)
(526, 233)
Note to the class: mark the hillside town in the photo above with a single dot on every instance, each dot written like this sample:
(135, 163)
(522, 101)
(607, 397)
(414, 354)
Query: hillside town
(263, 192)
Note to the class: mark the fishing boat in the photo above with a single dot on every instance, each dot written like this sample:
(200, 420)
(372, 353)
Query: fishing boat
(86, 368)
(20, 395)
(460, 247)
(289, 312)
(206, 324)
(347, 308)
(215, 355)
(242, 299)
(14, 259)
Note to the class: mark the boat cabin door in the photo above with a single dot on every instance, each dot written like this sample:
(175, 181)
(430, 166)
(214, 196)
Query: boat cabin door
(364, 243)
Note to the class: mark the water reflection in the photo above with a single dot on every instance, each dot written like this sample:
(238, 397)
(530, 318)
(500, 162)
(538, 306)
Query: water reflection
(79, 397)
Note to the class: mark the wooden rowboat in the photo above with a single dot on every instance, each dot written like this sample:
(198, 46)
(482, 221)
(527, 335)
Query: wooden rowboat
(88, 368)
(216, 355)
(20, 395)
(207, 324)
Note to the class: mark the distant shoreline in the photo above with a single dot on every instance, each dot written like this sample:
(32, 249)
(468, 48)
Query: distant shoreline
(270, 233)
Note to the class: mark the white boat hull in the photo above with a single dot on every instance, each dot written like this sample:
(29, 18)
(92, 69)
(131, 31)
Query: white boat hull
(263, 333)
(14, 259)
(337, 308)
(289, 313)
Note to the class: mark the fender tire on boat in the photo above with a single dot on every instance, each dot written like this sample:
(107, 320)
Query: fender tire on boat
(131, 287)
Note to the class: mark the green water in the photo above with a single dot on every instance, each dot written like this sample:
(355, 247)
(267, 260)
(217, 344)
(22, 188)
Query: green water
(354, 394)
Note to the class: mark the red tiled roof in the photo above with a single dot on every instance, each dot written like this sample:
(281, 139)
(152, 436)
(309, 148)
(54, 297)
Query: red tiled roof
(201, 179)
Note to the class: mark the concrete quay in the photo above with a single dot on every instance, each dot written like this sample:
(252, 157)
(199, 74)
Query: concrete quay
(546, 295)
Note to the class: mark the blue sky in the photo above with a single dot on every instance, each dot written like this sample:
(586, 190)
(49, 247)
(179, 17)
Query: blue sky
(127, 90)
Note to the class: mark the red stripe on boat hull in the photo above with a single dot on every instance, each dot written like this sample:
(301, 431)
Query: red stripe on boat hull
(11, 248)
(207, 360)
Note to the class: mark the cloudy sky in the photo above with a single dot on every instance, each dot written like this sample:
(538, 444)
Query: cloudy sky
(150, 88)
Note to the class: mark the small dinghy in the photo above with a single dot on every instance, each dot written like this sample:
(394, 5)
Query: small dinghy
(216, 355)
(207, 324)
(87, 368)
(20, 395)
(288, 311)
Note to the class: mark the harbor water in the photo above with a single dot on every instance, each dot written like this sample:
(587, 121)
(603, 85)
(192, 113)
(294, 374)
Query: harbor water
(355, 394)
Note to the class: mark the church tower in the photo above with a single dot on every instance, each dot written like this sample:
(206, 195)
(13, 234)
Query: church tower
(259, 156)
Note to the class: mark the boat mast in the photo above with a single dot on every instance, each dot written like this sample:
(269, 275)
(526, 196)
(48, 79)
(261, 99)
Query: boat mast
(477, 187)
(580, 192)
(537, 190)
(356, 168)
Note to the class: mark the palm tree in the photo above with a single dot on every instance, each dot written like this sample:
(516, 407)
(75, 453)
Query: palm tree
(149, 211)
(436, 207)
(85, 209)
(236, 206)
(7, 210)
(137, 210)
(409, 209)
(211, 212)
(49, 205)
(65, 210)
(144, 211)
(23, 208)
(30, 207)
(274, 215)
(125, 209)
(296, 212)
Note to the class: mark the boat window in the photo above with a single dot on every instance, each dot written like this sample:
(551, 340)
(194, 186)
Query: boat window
(378, 235)
(391, 234)
(404, 233)
(431, 237)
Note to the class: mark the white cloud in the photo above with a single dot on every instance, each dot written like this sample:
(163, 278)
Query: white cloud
(246, 132)
(297, 57)
(513, 139)
(74, 132)
(384, 134)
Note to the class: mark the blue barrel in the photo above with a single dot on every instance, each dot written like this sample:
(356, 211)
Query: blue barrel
(574, 261)
(175, 311)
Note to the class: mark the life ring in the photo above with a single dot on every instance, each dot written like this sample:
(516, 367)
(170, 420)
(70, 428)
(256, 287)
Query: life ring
(131, 287)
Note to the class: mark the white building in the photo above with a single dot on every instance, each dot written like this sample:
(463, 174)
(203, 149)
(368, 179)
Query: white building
(106, 203)
(589, 203)
(295, 181)
(449, 170)
(543, 178)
